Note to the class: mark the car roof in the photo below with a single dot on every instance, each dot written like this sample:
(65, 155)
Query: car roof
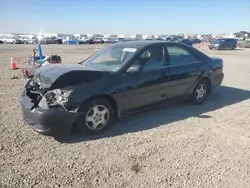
(142, 43)
(227, 38)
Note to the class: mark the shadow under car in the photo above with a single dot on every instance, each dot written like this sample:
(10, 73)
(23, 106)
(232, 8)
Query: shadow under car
(160, 116)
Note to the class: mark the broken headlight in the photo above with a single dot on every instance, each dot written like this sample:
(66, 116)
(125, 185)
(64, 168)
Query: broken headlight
(55, 98)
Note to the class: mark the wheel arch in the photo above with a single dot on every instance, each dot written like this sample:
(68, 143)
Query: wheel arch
(110, 99)
(207, 79)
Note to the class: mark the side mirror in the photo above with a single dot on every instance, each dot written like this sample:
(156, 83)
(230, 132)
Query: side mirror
(134, 69)
(138, 64)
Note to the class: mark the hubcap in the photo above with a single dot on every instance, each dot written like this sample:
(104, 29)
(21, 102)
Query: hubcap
(97, 117)
(201, 92)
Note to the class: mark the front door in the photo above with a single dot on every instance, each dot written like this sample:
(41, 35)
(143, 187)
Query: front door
(145, 87)
(227, 44)
(183, 71)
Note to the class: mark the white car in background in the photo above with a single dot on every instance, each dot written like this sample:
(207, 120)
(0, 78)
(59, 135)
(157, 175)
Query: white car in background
(9, 40)
(83, 39)
(105, 40)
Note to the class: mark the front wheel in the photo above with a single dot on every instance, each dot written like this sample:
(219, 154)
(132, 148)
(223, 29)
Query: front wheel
(200, 92)
(98, 116)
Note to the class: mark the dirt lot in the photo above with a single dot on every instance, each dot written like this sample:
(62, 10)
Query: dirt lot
(178, 145)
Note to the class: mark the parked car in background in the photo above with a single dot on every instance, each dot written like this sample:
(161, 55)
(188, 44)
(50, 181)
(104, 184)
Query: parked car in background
(51, 40)
(18, 41)
(196, 41)
(9, 40)
(58, 41)
(185, 41)
(64, 40)
(174, 38)
(32, 40)
(83, 40)
(101, 40)
(105, 40)
(91, 41)
(47, 40)
(223, 44)
(111, 40)
(87, 39)
(74, 41)
(97, 41)
(120, 39)
(243, 43)
(118, 80)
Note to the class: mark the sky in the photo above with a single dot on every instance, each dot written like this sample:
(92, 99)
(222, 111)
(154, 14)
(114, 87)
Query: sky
(125, 17)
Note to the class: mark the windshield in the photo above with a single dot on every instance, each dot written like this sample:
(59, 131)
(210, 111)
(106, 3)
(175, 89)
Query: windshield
(110, 58)
(218, 41)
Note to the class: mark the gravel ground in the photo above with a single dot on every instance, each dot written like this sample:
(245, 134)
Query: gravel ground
(179, 145)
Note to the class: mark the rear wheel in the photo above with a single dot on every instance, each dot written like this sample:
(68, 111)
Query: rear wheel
(98, 116)
(222, 47)
(200, 92)
(233, 47)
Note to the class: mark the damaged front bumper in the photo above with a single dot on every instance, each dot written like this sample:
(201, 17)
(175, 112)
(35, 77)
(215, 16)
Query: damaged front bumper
(51, 121)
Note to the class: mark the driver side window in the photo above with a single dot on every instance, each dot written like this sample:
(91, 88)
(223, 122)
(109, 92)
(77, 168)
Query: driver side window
(153, 58)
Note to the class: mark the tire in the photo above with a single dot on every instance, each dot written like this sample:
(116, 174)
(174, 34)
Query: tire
(240, 45)
(104, 113)
(233, 47)
(200, 92)
(222, 47)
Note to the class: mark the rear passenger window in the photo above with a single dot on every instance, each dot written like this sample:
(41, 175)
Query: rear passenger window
(180, 56)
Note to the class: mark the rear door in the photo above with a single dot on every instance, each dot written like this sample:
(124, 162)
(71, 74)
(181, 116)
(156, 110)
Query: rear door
(184, 69)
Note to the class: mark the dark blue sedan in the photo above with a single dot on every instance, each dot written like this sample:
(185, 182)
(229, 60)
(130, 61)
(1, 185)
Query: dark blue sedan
(120, 79)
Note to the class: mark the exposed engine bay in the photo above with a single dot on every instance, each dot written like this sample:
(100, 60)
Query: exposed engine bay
(46, 98)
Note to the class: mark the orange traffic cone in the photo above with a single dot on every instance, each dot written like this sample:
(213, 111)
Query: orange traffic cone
(12, 64)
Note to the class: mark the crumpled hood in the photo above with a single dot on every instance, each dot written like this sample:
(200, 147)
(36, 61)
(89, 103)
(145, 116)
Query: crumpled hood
(62, 75)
